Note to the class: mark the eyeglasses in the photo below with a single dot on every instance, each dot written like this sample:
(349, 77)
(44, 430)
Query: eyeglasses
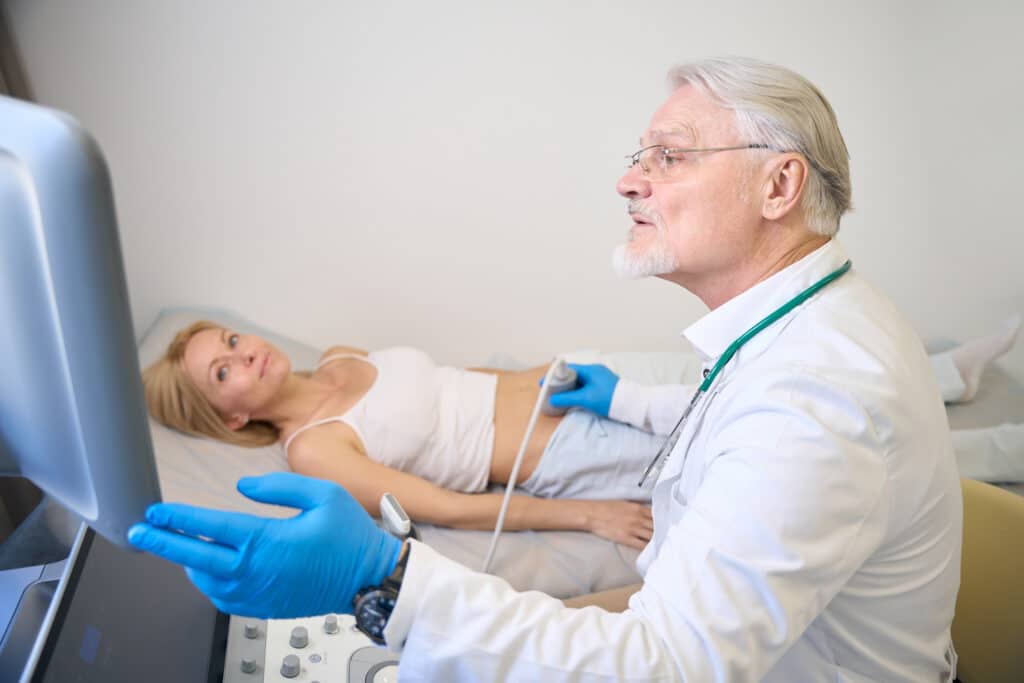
(659, 162)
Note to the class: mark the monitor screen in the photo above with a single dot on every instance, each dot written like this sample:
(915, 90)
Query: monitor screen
(72, 416)
(127, 616)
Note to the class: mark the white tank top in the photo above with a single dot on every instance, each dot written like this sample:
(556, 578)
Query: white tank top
(433, 421)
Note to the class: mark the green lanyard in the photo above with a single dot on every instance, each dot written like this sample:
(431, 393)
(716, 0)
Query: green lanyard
(670, 443)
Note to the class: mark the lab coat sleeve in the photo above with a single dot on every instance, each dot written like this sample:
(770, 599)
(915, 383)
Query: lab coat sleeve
(791, 505)
(453, 624)
(653, 408)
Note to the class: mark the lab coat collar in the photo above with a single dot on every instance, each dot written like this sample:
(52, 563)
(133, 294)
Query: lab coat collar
(714, 332)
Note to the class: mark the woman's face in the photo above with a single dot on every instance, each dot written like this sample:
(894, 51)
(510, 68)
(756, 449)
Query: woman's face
(239, 374)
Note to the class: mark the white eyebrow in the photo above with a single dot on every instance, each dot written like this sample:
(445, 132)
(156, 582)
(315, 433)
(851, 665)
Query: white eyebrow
(683, 129)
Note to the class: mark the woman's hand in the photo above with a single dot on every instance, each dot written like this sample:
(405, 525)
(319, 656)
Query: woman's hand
(622, 521)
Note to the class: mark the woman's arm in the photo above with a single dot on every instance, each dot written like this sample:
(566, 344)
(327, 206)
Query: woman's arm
(622, 521)
(318, 453)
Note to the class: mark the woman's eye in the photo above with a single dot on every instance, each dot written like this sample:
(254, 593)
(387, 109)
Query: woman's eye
(233, 341)
(222, 373)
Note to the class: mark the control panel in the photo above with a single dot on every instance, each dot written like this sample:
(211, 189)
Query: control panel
(324, 649)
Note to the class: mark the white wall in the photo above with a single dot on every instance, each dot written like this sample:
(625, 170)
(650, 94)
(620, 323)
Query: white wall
(442, 173)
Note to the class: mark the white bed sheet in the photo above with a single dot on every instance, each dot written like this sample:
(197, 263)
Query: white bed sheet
(1000, 399)
(561, 563)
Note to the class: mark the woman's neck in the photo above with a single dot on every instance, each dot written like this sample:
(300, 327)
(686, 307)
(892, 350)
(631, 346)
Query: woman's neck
(298, 400)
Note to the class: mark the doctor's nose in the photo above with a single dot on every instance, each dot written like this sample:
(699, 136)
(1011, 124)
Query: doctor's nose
(633, 184)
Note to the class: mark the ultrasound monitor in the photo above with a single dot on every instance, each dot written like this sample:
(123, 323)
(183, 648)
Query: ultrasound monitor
(72, 415)
(127, 616)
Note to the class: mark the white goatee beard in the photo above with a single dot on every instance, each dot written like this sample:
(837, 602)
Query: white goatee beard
(656, 259)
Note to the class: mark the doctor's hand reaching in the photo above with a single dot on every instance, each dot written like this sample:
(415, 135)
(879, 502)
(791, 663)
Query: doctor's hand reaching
(594, 393)
(309, 564)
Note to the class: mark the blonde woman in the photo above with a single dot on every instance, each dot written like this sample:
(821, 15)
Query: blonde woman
(393, 420)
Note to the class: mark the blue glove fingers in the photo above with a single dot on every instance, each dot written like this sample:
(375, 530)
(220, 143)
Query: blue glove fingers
(234, 597)
(246, 609)
(592, 371)
(215, 589)
(241, 609)
(566, 399)
(228, 528)
(597, 385)
(213, 586)
(191, 552)
(288, 489)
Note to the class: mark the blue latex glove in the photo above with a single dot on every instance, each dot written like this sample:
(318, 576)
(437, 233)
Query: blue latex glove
(594, 393)
(309, 564)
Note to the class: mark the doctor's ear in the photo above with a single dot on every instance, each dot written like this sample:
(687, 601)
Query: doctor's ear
(784, 186)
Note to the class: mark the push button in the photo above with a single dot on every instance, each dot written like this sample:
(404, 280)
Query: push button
(290, 666)
(299, 638)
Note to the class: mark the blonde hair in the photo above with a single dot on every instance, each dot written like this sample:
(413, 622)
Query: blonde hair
(780, 108)
(175, 401)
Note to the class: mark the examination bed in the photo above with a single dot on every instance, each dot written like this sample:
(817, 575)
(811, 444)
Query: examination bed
(560, 563)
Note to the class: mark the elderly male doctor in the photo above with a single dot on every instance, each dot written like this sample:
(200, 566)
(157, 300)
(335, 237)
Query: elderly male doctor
(808, 514)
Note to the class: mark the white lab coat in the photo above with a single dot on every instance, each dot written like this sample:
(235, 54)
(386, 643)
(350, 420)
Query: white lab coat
(807, 524)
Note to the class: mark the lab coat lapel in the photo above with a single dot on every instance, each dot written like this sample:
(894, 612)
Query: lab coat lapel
(683, 471)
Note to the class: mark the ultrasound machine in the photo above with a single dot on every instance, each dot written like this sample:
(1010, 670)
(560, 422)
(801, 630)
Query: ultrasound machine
(73, 421)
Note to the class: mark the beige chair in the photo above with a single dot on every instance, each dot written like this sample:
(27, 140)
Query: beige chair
(988, 629)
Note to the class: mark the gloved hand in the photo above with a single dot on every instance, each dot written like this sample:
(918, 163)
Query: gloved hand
(594, 393)
(305, 565)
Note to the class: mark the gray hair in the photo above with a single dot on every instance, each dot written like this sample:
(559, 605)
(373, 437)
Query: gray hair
(780, 108)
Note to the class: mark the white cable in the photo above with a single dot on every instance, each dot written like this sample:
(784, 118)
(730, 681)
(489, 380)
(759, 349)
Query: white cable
(510, 487)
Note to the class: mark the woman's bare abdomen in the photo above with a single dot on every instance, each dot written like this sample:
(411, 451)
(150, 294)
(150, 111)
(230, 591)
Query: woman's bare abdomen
(513, 402)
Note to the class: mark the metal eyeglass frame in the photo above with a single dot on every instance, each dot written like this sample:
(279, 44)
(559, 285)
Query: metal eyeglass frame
(634, 158)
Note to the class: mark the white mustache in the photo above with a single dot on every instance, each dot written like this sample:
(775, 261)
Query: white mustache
(638, 208)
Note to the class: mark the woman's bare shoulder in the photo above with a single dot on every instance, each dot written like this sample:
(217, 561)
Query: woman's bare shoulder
(343, 351)
(312, 446)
